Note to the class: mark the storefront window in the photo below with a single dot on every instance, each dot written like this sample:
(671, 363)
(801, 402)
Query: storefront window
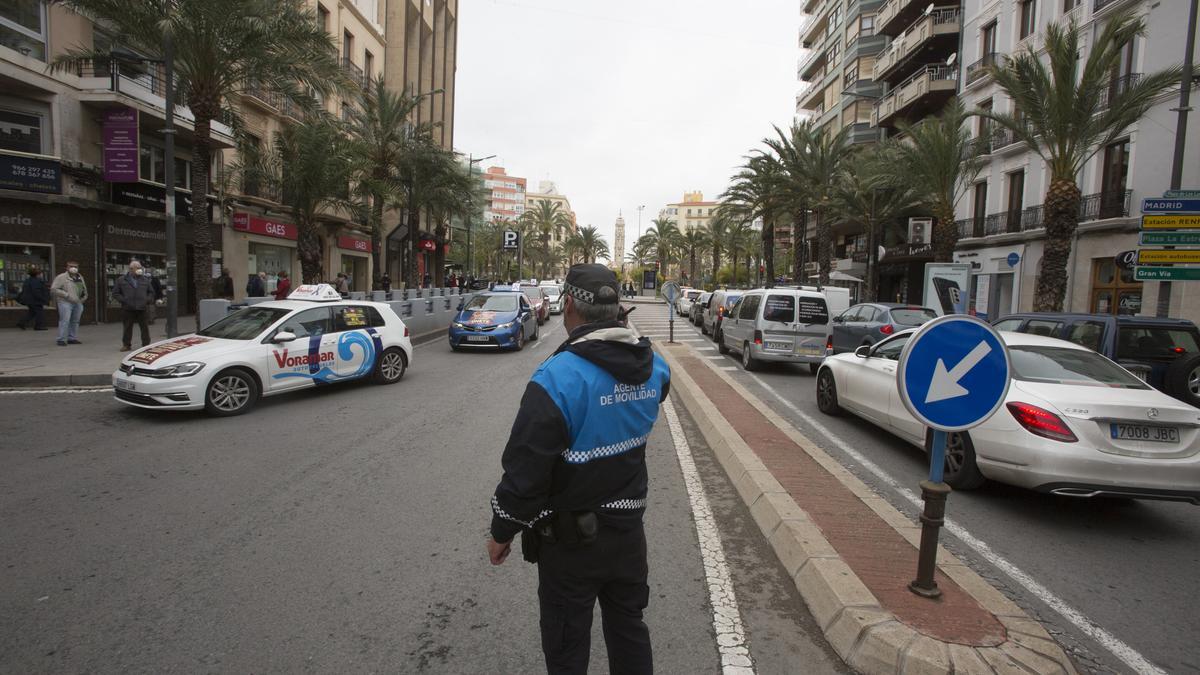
(272, 260)
(23, 27)
(355, 267)
(21, 131)
(1114, 291)
(116, 265)
(15, 261)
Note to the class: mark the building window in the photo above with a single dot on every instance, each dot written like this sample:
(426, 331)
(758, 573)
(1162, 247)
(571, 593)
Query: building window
(347, 112)
(980, 207)
(322, 18)
(1028, 18)
(1016, 199)
(153, 166)
(1069, 5)
(1114, 180)
(1114, 290)
(866, 25)
(22, 131)
(23, 27)
(15, 261)
(987, 43)
(985, 124)
(368, 66)
(347, 46)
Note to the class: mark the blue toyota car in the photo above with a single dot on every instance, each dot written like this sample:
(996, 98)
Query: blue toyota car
(497, 319)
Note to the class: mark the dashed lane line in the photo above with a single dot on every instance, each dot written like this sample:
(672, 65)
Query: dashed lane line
(72, 390)
(727, 618)
(1113, 644)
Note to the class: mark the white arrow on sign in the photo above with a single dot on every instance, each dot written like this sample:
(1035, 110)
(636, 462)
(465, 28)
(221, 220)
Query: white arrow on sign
(945, 383)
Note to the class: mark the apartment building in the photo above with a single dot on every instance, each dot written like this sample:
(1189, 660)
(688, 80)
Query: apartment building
(506, 195)
(548, 191)
(841, 44)
(57, 203)
(693, 212)
(1000, 221)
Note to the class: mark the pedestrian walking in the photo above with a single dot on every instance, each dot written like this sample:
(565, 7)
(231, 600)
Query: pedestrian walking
(385, 282)
(134, 292)
(575, 479)
(223, 285)
(35, 295)
(256, 287)
(69, 291)
(343, 284)
(283, 286)
(453, 281)
(157, 289)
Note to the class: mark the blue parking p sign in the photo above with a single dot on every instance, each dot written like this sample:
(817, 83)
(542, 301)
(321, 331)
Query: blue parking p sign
(953, 373)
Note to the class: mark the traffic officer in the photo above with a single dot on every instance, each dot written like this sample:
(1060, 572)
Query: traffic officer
(574, 482)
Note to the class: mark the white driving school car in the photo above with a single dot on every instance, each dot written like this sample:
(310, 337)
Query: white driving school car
(313, 338)
(1073, 423)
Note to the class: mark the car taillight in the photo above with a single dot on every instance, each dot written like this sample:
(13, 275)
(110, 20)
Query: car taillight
(1178, 350)
(887, 329)
(1041, 422)
(721, 311)
(829, 344)
(758, 337)
(406, 331)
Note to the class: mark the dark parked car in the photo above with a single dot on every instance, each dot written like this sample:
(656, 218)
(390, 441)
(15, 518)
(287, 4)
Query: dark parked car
(696, 314)
(1163, 352)
(870, 322)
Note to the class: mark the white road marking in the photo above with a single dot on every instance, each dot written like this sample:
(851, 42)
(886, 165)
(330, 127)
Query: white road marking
(730, 368)
(716, 358)
(73, 390)
(1113, 644)
(727, 619)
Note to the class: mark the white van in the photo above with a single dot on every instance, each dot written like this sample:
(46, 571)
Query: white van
(780, 324)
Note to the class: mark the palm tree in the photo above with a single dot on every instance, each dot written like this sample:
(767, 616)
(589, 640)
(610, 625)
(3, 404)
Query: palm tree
(819, 168)
(691, 242)
(754, 192)
(792, 184)
(377, 129)
(714, 233)
(868, 192)
(546, 219)
(591, 244)
(940, 160)
(221, 47)
(737, 242)
(662, 236)
(1066, 117)
(318, 163)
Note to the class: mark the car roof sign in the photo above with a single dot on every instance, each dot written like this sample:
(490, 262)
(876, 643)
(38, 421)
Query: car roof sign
(315, 293)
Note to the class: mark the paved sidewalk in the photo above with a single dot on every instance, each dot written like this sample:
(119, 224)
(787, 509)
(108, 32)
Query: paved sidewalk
(850, 553)
(30, 358)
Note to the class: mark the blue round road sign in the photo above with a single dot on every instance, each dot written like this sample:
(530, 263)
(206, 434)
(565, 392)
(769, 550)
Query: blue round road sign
(1013, 258)
(954, 373)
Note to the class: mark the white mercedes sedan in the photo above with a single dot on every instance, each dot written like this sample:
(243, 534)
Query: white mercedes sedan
(313, 338)
(1074, 423)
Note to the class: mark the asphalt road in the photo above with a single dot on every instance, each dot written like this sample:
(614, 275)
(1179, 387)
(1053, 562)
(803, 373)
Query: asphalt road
(339, 530)
(1130, 567)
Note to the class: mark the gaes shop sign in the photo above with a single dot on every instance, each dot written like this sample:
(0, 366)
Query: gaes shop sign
(354, 244)
(264, 226)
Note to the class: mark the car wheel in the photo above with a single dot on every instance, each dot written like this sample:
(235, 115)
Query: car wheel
(391, 366)
(961, 471)
(231, 392)
(827, 398)
(704, 328)
(1182, 380)
(537, 332)
(748, 361)
(520, 339)
(455, 348)
(720, 340)
(813, 368)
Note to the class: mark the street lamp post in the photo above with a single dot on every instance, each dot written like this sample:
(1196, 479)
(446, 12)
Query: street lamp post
(471, 162)
(198, 192)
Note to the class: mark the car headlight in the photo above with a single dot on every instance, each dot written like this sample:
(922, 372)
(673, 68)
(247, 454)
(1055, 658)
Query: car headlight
(459, 324)
(504, 325)
(180, 370)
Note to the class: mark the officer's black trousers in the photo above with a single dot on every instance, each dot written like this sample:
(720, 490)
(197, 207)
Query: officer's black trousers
(613, 568)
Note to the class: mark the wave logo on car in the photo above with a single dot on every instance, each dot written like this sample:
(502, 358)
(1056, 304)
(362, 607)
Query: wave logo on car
(152, 354)
(320, 367)
(482, 318)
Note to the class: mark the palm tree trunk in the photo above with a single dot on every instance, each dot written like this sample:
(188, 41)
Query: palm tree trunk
(308, 246)
(1062, 217)
(202, 240)
(716, 259)
(945, 233)
(768, 238)
(377, 242)
(439, 256)
(824, 244)
(799, 233)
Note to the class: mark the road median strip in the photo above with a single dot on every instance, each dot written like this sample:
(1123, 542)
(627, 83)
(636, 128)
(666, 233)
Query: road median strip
(844, 546)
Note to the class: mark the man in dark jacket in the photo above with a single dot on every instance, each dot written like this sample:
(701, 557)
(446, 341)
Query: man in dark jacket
(34, 295)
(257, 286)
(135, 293)
(223, 286)
(575, 479)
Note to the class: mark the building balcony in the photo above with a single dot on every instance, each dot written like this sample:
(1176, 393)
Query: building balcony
(1099, 6)
(353, 72)
(976, 71)
(262, 97)
(866, 44)
(106, 84)
(932, 34)
(812, 67)
(897, 15)
(1097, 206)
(862, 132)
(925, 89)
(1116, 87)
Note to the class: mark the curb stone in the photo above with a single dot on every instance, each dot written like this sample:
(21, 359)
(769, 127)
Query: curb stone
(865, 635)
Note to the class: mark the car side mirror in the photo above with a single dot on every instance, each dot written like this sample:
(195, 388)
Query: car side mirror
(283, 336)
(460, 306)
(863, 352)
(838, 319)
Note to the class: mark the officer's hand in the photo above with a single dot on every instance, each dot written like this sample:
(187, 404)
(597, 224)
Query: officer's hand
(498, 552)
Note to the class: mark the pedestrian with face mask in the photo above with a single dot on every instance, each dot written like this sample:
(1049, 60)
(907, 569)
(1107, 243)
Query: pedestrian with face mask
(70, 292)
(135, 293)
(34, 295)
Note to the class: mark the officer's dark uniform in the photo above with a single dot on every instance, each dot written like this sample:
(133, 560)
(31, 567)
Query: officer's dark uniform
(578, 448)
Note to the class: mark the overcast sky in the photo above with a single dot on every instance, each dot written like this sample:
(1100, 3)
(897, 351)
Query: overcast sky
(624, 102)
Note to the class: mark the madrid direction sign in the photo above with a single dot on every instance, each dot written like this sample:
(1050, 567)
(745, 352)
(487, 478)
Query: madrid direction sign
(1170, 205)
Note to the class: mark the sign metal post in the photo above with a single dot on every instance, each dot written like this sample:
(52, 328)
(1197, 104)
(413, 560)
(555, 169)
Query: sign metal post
(953, 375)
(670, 291)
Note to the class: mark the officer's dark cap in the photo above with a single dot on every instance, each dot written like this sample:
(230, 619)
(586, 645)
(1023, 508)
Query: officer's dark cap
(594, 284)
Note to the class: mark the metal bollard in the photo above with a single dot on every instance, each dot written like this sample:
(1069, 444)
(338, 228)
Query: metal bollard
(932, 520)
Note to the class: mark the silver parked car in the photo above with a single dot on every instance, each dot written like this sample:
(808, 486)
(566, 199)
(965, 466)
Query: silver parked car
(870, 322)
(777, 324)
(696, 315)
